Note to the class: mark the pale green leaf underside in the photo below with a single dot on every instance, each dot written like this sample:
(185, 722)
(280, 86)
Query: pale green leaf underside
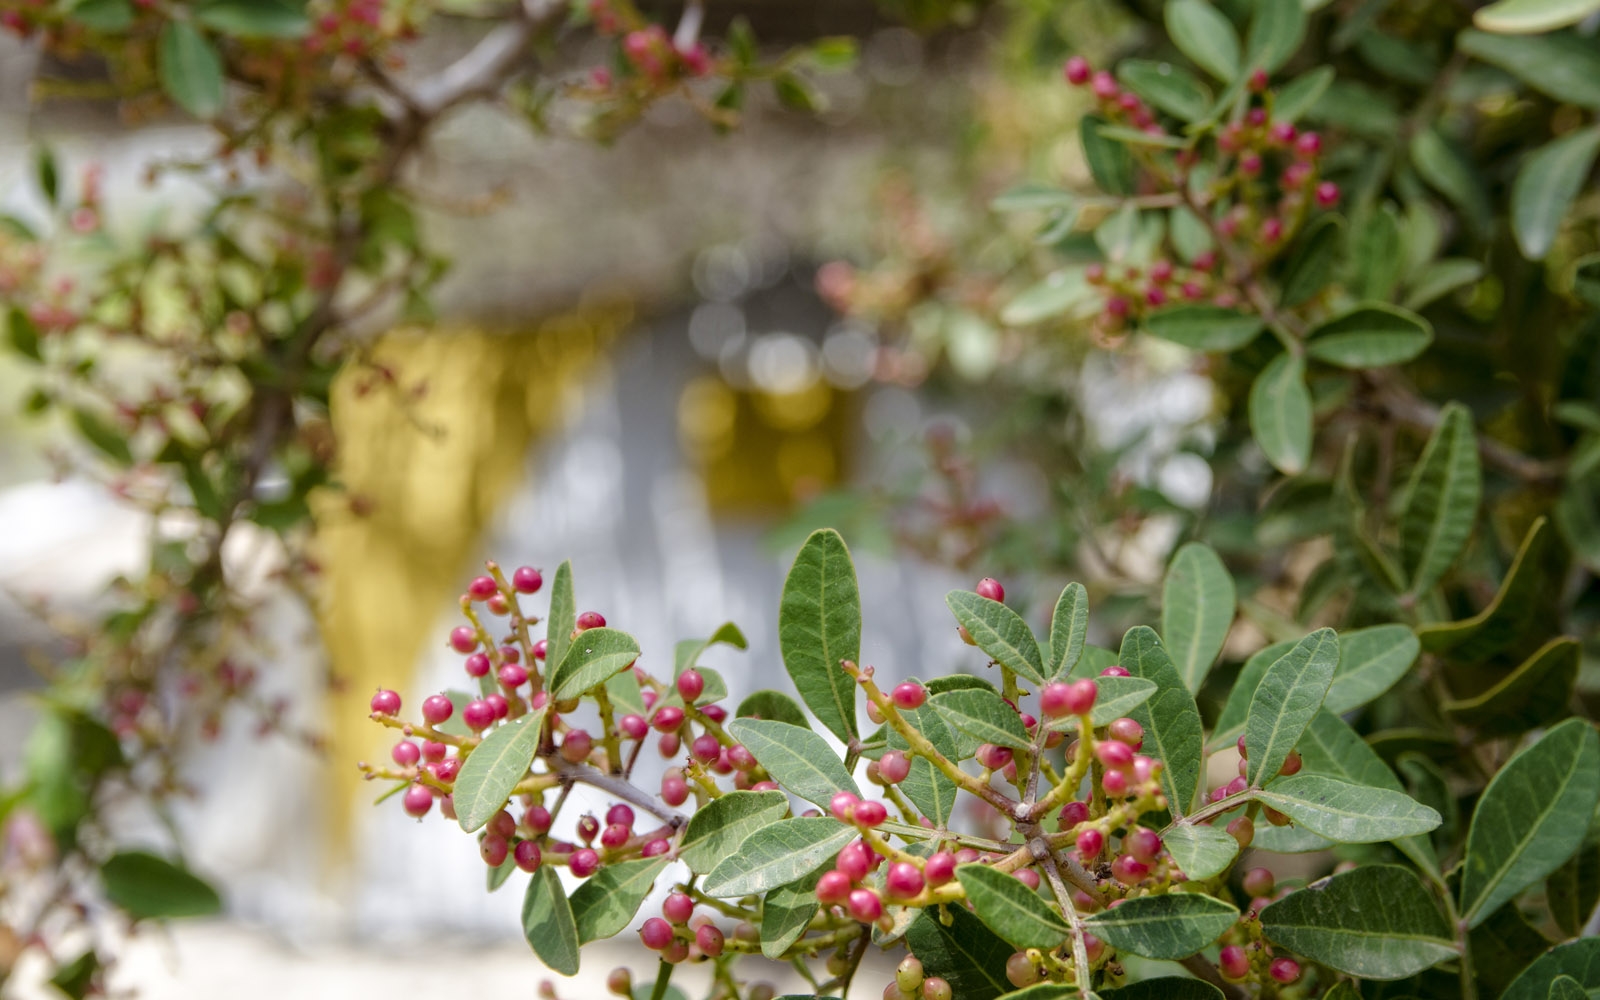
(1198, 601)
(1285, 702)
(1346, 813)
(717, 829)
(819, 624)
(796, 758)
(784, 852)
(494, 768)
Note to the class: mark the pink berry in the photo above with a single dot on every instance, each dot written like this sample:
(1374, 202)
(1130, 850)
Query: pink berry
(1126, 731)
(1259, 882)
(1242, 830)
(537, 819)
(741, 758)
(1250, 164)
(620, 813)
(436, 708)
(1258, 81)
(497, 702)
(667, 718)
(527, 580)
(1144, 845)
(909, 695)
(990, 587)
(939, 868)
(591, 619)
(1027, 876)
(1309, 144)
(539, 648)
(433, 752)
(716, 713)
(1115, 671)
(446, 770)
(870, 814)
(576, 746)
(1256, 116)
(513, 675)
(482, 588)
(588, 828)
(478, 665)
(1292, 764)
(1081, 696)
(493, 849)
(1129, 870)
(463, 639)
(833, 888)
(1233, 962)
(843, 805)
(1271, 229)
(614, 836)
(1053, 698)
(1283, 133)
(1077, 71)
(705, 748)
(584, 862)
(894, 767)
(1090, 843)
(386, 702)
(993, 757)
(1327, 194)
(1073, 813)
(527, 855)
(1284, 970)
(478, 715)
(655, 848)
(417, 800)
(1104, 85)
(1113, 755)
(903, 880)
(854, 860)
(709, 938)
(690, 685)
(655, 933)
(1236, 786)
(674, 790)
(678, 908)
(865, 906)
(406, 753)
(1117, 307)
(1115, 783)
(633, 727)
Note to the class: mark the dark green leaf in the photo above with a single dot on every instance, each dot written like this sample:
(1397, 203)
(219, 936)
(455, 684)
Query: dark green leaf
(151, 887)
(1280, 413)
(984, 716)
(1110, 163)
(819, 625)
(1563, 66)
(1276, 31)
(1573, 890)
(1441, 500)
(1372, 335)
(1164, 988)
(22, 334)
(494, 768)
(1285, 702)
(1346, 813)
(1545, 187)
(254, 18)
(796, 758)
(1203, 34)
(607, 900)
(1565, 987)
(103, 436)
(786, 912)
(75, 977)
(1069, 629)
(563, 618)
(796, 92)
(727, 634)
(191, 69)
(1197, 607)
(1577, 959)
(1449, 170)
(1170, 926)
(592, 659)
(1000, 632)
(1011, 909)
(1204, 328)
(1166, 87)
(1374, 263)
(1371, 660)
(1200, 852)
(772, 705)
(1170, 719)
(776, 855)
(1439, 278)
(1230, 723)
(718, 828)
(966, 953)
(1535, 693)
(1299, 95)
(1315, 260)
(1375, 922)
(1531, 818)
(547, 922)
(1516, 607)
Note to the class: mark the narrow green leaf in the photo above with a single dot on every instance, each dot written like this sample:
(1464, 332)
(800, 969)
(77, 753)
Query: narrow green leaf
(1441, 500)
(1170, 719)
(563, 620)
(593, 658)
(1546, 186)
(1578, 959)
(103, 436)
(1204, 328)
(1118, 696)
(1230, 722)
(1280, 413)
(1439, 278)
(1375, 922)
(190, 69)
(819, 625)
(1011, 909)
(1372, 335)
(1314, 261)
(1565, 987)
(1537, 692)
(1034, 198)
(1170, 926)
(1069, 630)
(607, 900)
(149, 887)
(1346, 813)
(547, 922)
(1164, 988)
(778, 854)
(1530, 17)
(1110, 163)
(1562, 66)
(22, 334)
(494, 768)
(718, 828)
(926, 786)
(999, 632)
(1573, 890)
(1451, 172)
(1375, 256)
(1371, 660)
(786, 912)
(1203, 34)
(727, 634)
(1301, 94)
(1166, 87)
(772, 705)
(984, 716)
(796, 758)
(966, 953)
(1276, 31)
(1520, 605)
(1201, 852)
(1531, 818)
(254, 18)
(1060, 292)
(1198, 602)
(1285, 702)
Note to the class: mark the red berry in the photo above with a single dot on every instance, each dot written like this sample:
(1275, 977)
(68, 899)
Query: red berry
(993, 757)
(678, 908)
(1104, 85)
(1027, 876)
(894, 767)
(478, 665)
(633, 727)
(1309, 144)
(584, 862)
(1283, 133)
(1114, 783)
(493, 849)
(1053, 698)
(1129, 870)
(843, 805)
(1292, 764)
(716, 713)
(655, 933)
(417, 800)
(833, 888)
(903, 880)
(527, 855)
(1233, 962)
(433, 752)
(482, 588)
(463, 639)
(386, 702)
(406, 753)
(1250, 164)
(436, 708)
(1115, 670)
(537, 819)
(1144, 845)
(1258, 81)
(667, 719)
(939, 868)
(478, 715)
(1090, 843)
(1077, 71)
(909, 695)
(709, 938)
(865, 906)
(1284, 970)
(1271, 229)
(655, 848)
(576, 746)
(669, 744)
(1126, 731)
(620, 813)
(1081, 696)
(1258, 882)
(690, 685)
(539, 648)
(591, 619)
(1113, 755)
(527, 580)
(705, 748)
(870, 814)
(990, 587)
(1242, 830)
(513, 675)
(854, 860)
(1073, 813)
(1327, 194)
(674, 790)
(588, 828)
(614, 836)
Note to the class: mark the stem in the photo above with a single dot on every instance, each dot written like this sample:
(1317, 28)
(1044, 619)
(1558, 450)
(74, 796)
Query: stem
(586, 775)
(608, 727)
(1083, 975)
(1201, 968)
(663, 977)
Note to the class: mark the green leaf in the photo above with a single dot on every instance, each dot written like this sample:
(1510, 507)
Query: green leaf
(1203, 34)
(798, 94)
(254, 18)
(103, 436)
(1170, 926)
(1375, 256)
(1171, 722)
(966, 953)
(1372, 335)
(1058, 293)
(1166, 87)
(1046, 991)
(1439, 278)
(1518, 606)
(1346, 813)
(108, 17)
(1200, 852)
(592, 659)
(1203, 327)
(1371, 660)
(1565, 987)
(1314, 261)
(1450, 171)
(1577, 959)
(999, 632)
(1561, 66)
(718, 828)
(548, 924)
(772, 705)
(1535, 693)
(1164, 988)
(646, 991)
(786, 913)
(1530, 17)
(1546, 185)
(494, 768)
(1011, 909)
(149, 887)
(1441, 500)
(1034, 198)
(626, 698)
(563, 618)
(1531, 818)
(984, 716)
(607, 900)
(727, 634)
(1117, 696)
(1069, 630)
(497, 875)
(1285, 702)
(1280, 413)
(1110, 163)
(22, 334)
(1230, 722)
(926, 786)
(1299, 95)
(1197, 607)
(819, 625)
(796, 758)
(1573, 890)
(191, 69)
(1374, 922)
(778, 854)
(1276, 31)
(74, 978)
